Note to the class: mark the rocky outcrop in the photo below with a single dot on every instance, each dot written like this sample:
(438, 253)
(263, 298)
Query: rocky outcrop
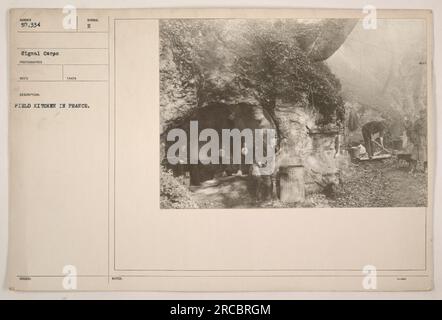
(274, 68)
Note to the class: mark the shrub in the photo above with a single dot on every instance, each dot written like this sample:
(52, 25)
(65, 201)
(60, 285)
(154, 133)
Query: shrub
(173, 192)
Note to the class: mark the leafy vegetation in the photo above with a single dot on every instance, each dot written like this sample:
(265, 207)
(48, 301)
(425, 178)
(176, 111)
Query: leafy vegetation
(231, 61)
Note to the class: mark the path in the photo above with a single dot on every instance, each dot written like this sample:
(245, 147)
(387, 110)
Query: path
(367, 184)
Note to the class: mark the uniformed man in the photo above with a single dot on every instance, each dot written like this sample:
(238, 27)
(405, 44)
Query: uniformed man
(372, 131)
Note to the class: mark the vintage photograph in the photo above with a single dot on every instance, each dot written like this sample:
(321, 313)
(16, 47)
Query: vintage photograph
(290, 113)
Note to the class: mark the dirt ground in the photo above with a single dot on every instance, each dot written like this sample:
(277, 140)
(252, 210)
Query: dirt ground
(381, 184)
(366, 184)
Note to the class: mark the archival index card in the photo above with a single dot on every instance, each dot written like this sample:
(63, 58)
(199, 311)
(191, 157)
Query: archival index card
(216, 149)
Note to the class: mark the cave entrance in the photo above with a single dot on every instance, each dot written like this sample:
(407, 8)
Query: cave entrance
(219, 117)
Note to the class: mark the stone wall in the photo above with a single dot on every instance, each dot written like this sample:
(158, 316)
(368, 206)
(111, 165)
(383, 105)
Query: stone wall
(304, 143)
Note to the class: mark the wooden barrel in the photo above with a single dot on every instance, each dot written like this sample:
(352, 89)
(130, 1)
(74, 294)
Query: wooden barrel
(292, 185)
(354, 153)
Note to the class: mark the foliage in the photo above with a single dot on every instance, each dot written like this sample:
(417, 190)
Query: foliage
(212, 61)
(273, 64)
(353, 121)
(173, 192)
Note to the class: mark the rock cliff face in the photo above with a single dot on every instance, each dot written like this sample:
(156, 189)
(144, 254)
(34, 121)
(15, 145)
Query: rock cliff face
(203, 62)
(275, 66)
(314, 147)
(322, 38)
